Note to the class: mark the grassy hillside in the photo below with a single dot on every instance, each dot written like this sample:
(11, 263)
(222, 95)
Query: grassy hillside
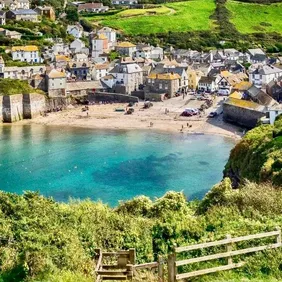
(258, 157)
(180, 16)
(15, 86)
(251, 17)
(42, 240)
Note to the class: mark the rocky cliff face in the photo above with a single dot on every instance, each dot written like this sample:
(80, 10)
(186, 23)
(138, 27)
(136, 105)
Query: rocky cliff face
(258, 156)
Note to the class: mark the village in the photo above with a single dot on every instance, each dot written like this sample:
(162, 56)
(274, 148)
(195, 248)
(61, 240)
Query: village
(96, 68)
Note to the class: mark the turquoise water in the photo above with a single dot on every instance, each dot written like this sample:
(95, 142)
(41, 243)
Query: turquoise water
(108, 165)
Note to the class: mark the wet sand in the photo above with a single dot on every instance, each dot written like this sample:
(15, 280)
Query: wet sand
(154, 118)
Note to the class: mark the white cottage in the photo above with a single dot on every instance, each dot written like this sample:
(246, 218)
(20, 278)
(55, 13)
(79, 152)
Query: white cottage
(28, 54)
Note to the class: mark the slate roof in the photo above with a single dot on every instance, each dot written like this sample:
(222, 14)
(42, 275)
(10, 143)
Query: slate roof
(126, 68)
(260, 97)
(207, 79)
(24, 12)
(90, 6)
(266, 69)
(256, 51)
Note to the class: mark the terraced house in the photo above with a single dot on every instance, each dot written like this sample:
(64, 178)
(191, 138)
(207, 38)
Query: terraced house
(92, 8)
(124, 2)
(28, 54)
(126, 49)
(22, 15)
(14, 4)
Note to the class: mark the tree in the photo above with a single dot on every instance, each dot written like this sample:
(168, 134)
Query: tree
(72, 14)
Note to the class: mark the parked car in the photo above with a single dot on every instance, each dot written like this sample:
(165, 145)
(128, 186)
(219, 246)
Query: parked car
(212, 114)
(223, 92)
(192, 110)
(187, 114)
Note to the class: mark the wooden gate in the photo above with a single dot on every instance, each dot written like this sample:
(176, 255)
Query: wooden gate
(118, 267)
(121, 265)
(173, 263)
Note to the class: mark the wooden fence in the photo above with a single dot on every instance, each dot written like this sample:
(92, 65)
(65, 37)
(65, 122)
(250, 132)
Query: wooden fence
(173, 264)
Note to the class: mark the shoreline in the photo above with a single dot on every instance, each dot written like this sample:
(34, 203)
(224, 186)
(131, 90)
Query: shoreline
(104, 117)
(153, 129)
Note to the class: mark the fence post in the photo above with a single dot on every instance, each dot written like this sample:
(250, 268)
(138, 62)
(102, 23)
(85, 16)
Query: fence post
(229, 249)
(160, 269)
(171, 267)
(278, 236)
(132, 256)
(130, 270)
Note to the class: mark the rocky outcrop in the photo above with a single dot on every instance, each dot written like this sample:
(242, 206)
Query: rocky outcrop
(258, 156)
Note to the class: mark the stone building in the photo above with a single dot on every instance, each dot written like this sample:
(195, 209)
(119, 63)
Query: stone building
(92, 8)
(46, 11)
(128, 77)
(23, 73)
(22, 15)
(247, 108)
(165, 83)
(79, 70)
(126, 49)
(56, 83)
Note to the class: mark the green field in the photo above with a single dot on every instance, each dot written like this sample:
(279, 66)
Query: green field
(180, 16)
(249, 18)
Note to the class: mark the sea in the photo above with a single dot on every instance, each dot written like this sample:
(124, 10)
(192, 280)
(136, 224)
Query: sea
(77, 163)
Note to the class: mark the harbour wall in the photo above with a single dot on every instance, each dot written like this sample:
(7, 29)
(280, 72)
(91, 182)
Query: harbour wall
(21, 106)
(242, 116)
(111, 97)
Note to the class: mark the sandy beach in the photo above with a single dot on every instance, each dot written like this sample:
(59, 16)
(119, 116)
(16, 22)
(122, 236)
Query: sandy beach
(105, 117)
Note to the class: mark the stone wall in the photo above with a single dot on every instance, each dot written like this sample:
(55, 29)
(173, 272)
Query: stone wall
(59, 102)
(1, 107)
(242, 116)
(111, 97)
(12, 108)
(33, 105)
(140, 94)
(154, 97)
(21, 106)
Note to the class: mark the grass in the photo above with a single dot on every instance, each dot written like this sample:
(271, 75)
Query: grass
(16, 86)
(141, 12)
(181, 16)
(250, 17)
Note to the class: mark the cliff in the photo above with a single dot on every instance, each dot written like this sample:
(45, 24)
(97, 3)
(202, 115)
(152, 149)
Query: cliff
(258, 156)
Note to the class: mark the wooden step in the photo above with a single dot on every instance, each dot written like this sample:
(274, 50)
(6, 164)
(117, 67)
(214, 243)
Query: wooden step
(112, 272)
(109, 277)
